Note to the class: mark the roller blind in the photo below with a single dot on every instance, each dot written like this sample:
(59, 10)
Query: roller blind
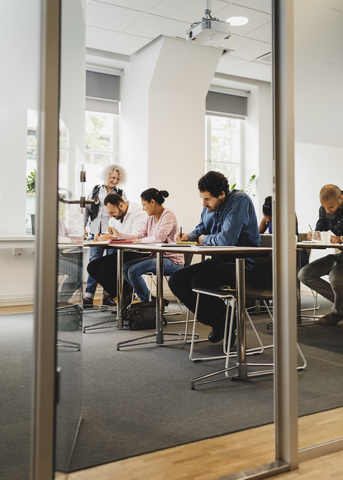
(225, 104)
(102, 92)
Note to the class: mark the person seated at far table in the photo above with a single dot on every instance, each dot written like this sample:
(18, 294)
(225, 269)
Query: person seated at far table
(228, 218)
(330, 218)
(130, 218)
(267, 223)
(160, 227)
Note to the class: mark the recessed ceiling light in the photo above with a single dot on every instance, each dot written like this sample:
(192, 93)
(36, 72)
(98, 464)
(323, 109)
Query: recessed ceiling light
(237, 21)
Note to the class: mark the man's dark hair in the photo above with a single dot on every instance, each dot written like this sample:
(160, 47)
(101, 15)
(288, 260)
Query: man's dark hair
(114, 199)
(267, 207)
(214, 182)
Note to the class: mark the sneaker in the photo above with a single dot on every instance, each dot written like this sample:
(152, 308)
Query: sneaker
(331, 319)
(107, 300)
(87, 302)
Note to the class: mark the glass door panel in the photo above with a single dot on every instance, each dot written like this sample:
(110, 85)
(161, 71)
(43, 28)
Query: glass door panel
(318, 106)
(70, 233)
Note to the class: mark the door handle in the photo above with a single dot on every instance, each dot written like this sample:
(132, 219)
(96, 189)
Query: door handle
(82, 202)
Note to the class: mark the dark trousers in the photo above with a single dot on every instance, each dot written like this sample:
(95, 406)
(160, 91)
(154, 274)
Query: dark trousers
(208, 274)
(104, 271)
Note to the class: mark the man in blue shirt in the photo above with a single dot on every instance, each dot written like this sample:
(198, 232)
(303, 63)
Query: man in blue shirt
(228, 218)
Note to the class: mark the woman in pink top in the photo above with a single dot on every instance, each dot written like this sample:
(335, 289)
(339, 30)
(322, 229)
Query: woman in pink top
(161, 227)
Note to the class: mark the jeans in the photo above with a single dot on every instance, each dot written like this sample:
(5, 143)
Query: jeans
(208, 274)
(94, 253)
(104, 271)
(134, 269)
(331, 265)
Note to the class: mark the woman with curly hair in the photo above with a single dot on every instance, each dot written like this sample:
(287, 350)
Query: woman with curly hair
(98, 219)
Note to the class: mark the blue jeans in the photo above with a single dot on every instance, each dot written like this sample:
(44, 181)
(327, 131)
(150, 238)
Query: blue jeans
(94, 253)
(134, 269)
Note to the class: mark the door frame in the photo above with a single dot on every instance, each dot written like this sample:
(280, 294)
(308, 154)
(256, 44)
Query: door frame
(45, 385)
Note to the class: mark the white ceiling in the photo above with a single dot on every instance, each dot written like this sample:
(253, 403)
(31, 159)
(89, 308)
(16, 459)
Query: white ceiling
(116, 29)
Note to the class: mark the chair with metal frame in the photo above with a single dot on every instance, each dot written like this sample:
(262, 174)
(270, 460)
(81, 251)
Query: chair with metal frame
(229, 296)
(259, 286)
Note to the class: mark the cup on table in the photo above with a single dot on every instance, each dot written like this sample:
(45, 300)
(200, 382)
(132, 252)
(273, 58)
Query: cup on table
(316, 237)
(326, 237)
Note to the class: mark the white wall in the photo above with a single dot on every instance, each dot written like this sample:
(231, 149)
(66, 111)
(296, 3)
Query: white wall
(318, 85)
(315, 166)
(20, 91)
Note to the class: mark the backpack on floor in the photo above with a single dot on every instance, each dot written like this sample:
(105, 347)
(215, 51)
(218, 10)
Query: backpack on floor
(141, 316)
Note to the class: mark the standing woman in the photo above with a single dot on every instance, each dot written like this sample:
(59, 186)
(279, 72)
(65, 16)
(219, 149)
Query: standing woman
(113, 176)
(160, 227)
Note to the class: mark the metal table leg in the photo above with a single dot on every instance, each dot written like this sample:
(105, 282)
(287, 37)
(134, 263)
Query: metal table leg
(241, 330)
(120, 284)
(159, 334)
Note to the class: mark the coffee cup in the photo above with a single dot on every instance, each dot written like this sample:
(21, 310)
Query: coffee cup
(326, 237)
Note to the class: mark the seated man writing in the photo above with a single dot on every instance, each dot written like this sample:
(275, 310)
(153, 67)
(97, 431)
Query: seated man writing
(129, 218)
(330, 218)
(228, 218)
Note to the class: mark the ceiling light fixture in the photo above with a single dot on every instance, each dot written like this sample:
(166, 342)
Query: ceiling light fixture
(237, 21)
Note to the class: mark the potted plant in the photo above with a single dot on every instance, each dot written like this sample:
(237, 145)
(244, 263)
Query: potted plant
(31, 197)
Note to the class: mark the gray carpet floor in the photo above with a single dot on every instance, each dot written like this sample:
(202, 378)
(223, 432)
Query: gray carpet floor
(139, 399)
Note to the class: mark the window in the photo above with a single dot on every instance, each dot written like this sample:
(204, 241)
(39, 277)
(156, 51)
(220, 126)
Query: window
(224, 152)
(101, 147)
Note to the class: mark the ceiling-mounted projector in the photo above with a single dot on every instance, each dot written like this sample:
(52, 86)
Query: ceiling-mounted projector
(210, 31)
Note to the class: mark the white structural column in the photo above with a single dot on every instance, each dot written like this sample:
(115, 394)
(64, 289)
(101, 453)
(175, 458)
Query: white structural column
(163, 122)
(285, 308)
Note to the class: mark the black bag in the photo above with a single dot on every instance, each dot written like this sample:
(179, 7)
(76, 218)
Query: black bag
(141, 316)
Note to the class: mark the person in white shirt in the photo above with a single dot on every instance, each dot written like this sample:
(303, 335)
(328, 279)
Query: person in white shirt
(130, 219)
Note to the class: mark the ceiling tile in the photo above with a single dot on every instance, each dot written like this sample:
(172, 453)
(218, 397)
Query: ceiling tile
(108, 16)
(248, 49)
(256, 19)
(96, 37)
(262, 33)
(260, 5)
(151, 26)
(140, 5)
(190, 11)
(125, 44)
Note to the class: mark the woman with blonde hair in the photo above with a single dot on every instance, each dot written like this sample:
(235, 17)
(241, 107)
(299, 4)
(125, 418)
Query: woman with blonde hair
(98, 220)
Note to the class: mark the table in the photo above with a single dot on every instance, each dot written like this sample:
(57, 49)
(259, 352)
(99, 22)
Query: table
(239, 253)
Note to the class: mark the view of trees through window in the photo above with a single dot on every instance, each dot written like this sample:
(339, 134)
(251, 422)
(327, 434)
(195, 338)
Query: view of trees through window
(224, 139)
(101, 142)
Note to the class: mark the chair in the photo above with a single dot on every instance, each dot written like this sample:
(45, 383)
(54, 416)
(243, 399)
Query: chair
(259, 286)
(229, 296)
(309, 319)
